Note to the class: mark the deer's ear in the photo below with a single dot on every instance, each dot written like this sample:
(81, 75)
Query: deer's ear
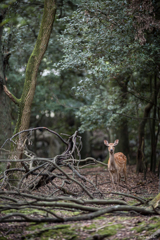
(116, 142)
(106, 142)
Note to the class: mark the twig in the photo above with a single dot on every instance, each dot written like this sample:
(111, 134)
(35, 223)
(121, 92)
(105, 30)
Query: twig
(143, 201)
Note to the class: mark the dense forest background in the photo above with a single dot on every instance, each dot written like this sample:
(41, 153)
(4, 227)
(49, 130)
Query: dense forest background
(74, 73)
(99, 75)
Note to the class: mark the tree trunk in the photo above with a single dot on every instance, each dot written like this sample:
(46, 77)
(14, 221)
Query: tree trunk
(25, 102)
(123, 135)
(155, 202)
(140, 151)
(123, 145)
(86, 149)
(5, 121)
(153, 134)
(33, 65)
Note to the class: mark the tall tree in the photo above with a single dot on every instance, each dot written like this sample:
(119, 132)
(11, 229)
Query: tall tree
(25, 101)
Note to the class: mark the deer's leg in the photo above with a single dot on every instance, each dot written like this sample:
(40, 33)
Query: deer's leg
(125, 175)
(112, 179)
(118, 179)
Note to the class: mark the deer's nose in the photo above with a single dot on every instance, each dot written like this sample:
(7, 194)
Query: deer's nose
(111, 151)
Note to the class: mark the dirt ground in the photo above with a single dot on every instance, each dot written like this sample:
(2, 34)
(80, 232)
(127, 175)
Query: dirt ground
(119, 225)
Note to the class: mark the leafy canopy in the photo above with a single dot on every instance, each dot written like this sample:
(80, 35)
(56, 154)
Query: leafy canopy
(100, 40)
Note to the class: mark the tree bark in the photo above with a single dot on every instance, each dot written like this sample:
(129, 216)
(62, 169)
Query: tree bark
(123, 134)
(155, 202)
(25, 102)
(5, 122)
(140, 151)
(153, 134)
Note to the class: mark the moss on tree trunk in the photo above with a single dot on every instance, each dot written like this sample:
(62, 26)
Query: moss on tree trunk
(25, 102)
(156, 201)
(33, 65)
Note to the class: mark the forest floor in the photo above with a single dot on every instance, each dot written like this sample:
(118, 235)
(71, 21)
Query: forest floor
(119, 225)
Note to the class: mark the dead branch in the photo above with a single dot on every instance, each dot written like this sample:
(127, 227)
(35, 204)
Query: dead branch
(18, 217)
(30, 131)
(43, 179)
(62, 198)
(69, 190)
(141, 200)
(154, 236)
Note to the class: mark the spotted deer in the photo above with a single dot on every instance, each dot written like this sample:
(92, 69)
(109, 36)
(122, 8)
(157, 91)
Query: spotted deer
(116, 163)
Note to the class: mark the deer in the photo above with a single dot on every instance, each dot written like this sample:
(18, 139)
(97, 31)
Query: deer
(116, 163)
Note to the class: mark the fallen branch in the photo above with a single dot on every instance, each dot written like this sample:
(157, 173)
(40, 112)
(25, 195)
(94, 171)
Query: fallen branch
(88, 216)
(154, 236)
(141, 200)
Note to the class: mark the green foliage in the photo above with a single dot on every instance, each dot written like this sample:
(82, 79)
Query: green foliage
(54, 88)
(99, 41)
(93, 67)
